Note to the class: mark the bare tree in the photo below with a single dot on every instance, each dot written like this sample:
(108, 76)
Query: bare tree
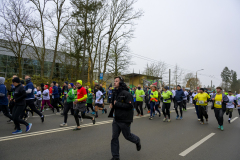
(121, 24)
(37, 33)
(177, 74)
(119, 58)
(59, 18)
(15, 16)
(156, 69)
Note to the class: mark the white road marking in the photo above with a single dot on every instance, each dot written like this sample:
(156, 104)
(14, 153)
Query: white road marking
(234, 119)
(184, 153)
(62, 128)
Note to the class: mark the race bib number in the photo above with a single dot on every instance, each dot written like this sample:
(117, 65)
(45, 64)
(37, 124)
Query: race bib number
(201, 102)
(230, 102)
(65, 92)
(218, 102)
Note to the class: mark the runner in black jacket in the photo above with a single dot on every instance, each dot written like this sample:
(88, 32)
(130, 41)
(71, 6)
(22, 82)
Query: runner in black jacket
(122, 105)
(20, 103)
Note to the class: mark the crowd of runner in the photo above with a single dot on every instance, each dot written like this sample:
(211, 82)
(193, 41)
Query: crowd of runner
(24, 98)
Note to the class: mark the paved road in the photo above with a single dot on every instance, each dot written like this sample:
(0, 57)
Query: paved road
(160, 140)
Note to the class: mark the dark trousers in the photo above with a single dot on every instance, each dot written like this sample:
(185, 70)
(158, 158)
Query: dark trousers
(54, 103)
(180, 104)
(89, 105)
(30, 103)
(139, 105)
(5, 110)
(202, 111)
(11, 106)
(76, 111)
(196, 108)
(219, 115)
(117, 128)
(67, 107)
(166, 110)
(154, 105)
(17, 111)
(185, 104)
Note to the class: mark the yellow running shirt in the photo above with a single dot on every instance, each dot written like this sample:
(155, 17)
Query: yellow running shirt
(218, 101)
(202, 97)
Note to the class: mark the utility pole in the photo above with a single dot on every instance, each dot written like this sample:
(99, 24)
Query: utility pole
(211, 84)
(169, 78)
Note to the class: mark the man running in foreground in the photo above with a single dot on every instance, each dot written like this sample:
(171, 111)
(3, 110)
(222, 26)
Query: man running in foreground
(122, 106)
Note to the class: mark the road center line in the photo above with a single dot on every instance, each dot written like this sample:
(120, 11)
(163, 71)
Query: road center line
(184, 153)
(234, 119)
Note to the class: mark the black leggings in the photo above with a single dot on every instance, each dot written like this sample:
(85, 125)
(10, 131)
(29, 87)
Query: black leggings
(219, 115)
(5, 110)
(54, 103)
(166, 106)
(30, 103)
(89, 105)
(202, 111)
(76, 111)
(139, 105)
(185, 104)
(180, 107)
(67, 107)
(17, 111)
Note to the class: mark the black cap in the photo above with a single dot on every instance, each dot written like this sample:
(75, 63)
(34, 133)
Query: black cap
(16, 79)
(54, 82)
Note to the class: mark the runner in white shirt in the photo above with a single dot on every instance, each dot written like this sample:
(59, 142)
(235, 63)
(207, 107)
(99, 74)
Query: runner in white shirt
(99, 101)
(194, 103)
(230, 105)
(39, 98)
(174, 93)
(238, 103)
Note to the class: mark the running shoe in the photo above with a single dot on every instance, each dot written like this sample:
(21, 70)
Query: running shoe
(159, 115)
(150, 118)
(177, 117)
(76, 129)
(138, 145)
(199, 119)
(9, 121)
(229, 121)
(148, 112)
(221, 128)
(28, 127)
(153, 114)
(164, 119)
(201, 122)
(169, 120)
(87, 112)
(137, 115)
(105, 110)
(93, 113)
(58, 113)
(47, 109)
(206, 120)
(181, 118)
(96, 116)
(43, 118)
(63, 125)
(42, 111)
(17, 132)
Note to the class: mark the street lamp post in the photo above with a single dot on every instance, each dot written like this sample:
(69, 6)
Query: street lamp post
(196, 77)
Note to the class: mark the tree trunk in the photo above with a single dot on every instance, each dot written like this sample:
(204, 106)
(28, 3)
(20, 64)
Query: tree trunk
(54, 56)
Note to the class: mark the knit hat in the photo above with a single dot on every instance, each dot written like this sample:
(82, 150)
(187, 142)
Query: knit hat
(96, 81)
(70, 84)
(16, 79)
(46, 86)
(79, 81)
(54, 82)
(166, 87)
(22, 81)
(89, 89)
(66, 82)
(2, 80)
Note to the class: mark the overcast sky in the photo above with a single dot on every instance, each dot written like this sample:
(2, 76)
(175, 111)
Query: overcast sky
(195, 34)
